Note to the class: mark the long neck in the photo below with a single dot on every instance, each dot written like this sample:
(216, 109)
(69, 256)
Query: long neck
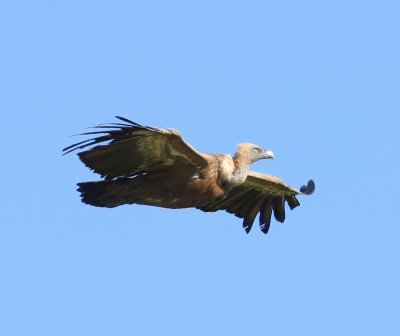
(242, 166)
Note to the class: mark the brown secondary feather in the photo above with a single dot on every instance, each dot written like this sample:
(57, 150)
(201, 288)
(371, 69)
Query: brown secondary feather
(155, 166)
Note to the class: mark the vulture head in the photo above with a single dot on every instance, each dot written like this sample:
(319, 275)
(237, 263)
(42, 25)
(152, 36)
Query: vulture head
(252, 153)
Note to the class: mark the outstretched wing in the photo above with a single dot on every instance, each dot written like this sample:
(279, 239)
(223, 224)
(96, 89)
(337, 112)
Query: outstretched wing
(263, 194)
(135, 149)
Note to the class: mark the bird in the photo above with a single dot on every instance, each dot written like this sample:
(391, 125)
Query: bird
(156, 167)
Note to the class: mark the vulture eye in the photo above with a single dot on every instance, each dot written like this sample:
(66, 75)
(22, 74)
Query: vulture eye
(257, 150)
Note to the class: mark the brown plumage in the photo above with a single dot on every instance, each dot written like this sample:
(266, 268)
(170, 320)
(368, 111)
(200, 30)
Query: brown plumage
(155, 166)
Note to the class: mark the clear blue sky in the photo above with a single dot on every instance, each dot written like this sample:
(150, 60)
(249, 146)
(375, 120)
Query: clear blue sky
(317, 82)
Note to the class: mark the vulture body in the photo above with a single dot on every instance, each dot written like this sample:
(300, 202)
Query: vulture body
(155, 166)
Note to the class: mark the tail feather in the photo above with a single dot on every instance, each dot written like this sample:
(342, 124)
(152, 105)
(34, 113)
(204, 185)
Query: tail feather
(105, 194)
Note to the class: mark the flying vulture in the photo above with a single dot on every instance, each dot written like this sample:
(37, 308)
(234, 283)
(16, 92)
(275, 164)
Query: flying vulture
(155, 166)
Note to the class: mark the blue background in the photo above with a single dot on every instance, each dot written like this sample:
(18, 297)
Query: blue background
(317, 82)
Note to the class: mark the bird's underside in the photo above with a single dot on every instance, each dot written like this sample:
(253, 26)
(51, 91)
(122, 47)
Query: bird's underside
(155, 166)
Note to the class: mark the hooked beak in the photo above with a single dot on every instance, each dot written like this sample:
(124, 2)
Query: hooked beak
(268, 154)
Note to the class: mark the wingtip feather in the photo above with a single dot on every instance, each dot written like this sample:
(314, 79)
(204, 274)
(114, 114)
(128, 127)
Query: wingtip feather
(246, 228)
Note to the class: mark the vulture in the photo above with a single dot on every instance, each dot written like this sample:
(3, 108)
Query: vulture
(155, 166)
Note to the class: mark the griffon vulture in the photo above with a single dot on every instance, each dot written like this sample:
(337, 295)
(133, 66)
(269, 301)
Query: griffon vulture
(155, 166)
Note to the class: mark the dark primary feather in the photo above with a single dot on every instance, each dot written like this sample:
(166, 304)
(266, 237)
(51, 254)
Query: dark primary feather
(260, 194)
(265, 214)
(132, 149)
(137, 160)
(115, 132)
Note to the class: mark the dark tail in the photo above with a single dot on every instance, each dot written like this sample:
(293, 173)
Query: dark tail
(106, 194)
